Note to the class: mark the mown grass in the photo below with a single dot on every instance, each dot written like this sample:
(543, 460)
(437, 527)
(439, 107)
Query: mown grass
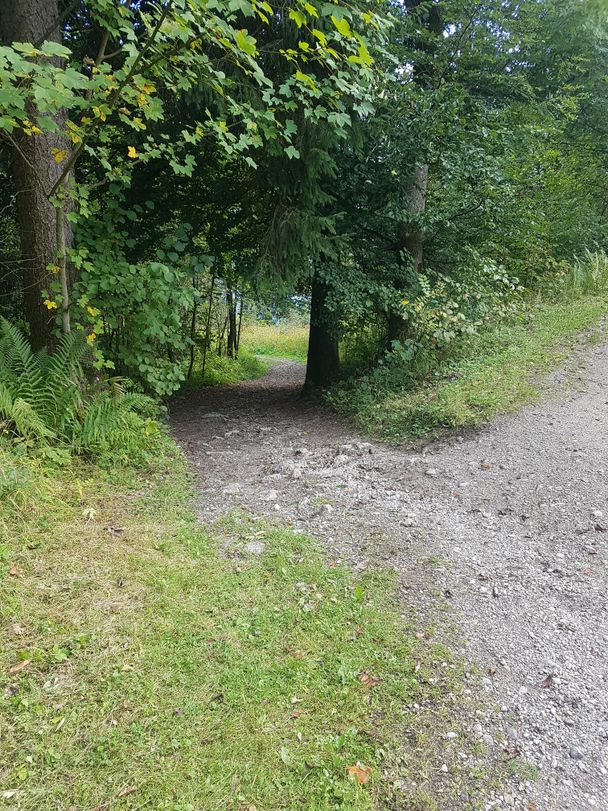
(284, 340)
(149, 662)
(492, 373)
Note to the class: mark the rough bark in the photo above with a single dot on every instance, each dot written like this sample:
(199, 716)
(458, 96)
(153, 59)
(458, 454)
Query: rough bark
(323, 362)
(35, 172)
(410, 239)
(231, 343)
(410, 235)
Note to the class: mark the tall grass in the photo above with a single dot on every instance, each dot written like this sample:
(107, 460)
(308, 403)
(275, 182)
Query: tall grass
(589, 274)
(283, 340)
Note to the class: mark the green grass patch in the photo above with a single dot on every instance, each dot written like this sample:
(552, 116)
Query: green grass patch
(492, 373)
(220, 370)
(149, 662)
(283, 340)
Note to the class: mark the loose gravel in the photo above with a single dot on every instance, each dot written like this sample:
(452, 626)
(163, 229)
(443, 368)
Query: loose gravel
(506, 526)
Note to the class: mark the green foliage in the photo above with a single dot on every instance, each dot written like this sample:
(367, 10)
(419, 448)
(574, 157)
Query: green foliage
(46, 401)
(589, 274)
(220, 370)
(471, 381)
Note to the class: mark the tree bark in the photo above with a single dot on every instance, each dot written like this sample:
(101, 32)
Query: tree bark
(410, 235)
(410, 238)
(231, 348)
(323, 362)
(36, 173)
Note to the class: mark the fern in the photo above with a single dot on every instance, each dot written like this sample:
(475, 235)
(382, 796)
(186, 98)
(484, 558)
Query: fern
(46, 397)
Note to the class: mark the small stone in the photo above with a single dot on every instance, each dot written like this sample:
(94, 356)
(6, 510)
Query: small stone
(271, 495)
(232, 489)
(444, 768)
(255, 547)
(575, 753)
(597, 513)
(509, 799)
(433, 472)
(451, 735)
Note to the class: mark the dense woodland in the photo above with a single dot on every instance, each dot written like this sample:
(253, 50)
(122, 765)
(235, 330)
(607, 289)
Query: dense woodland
(410, 170)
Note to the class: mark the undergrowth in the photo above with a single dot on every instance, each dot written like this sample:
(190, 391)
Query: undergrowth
(470, 382)
(220, 370)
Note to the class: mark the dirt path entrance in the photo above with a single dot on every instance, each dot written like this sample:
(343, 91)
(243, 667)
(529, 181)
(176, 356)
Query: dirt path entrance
(512, 519)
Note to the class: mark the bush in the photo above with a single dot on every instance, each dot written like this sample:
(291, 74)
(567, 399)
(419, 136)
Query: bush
(46, 400)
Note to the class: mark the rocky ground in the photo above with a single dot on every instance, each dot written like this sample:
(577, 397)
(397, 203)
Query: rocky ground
(512, 521)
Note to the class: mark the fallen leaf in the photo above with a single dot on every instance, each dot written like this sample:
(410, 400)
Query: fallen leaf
(19, 666)
(15, 570)
(417, 667)
(368, 680)
(126, 791)
(359, 772)
(547, 681)
(483, 577)
(492, 671)
(297, 713)
(17, 629)
(485, 466)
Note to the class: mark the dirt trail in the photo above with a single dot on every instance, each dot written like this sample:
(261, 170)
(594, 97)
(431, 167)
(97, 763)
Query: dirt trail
(513, 519)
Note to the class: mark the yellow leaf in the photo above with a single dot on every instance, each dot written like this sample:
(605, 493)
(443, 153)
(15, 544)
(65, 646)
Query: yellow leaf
(50, 305)
(59, 154)
(92, 311)
(91, 338)
(132, 152)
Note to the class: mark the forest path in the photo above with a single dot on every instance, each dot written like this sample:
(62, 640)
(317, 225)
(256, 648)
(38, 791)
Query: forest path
(507, 525)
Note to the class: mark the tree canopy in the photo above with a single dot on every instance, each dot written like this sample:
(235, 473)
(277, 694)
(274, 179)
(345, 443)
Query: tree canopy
(410, 168)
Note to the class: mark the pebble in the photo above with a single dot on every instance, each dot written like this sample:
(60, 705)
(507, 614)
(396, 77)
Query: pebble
(255, 547)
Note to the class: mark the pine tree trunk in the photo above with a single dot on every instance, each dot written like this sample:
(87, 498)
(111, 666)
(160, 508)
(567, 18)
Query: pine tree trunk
(35, 172)
(323, 363)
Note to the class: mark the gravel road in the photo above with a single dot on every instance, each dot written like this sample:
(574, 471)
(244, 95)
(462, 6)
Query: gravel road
(513, 518)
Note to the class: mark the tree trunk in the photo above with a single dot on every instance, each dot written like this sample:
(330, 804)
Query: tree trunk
(36, 172)
(231, 340)
(323, 362)
(410, 239)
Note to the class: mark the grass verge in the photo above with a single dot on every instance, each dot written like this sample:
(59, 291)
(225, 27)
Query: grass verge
(493, 373)
(220, 371)
(148, 662)
(276, 340)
